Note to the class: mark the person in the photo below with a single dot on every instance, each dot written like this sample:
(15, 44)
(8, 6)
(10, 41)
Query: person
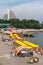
(12, 53)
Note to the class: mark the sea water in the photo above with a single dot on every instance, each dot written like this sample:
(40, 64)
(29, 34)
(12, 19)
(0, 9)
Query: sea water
(37, 39)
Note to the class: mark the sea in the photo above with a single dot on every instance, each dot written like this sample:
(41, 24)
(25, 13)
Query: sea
(37, 39)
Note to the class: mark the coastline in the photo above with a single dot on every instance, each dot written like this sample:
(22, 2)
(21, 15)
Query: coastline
(33, 30)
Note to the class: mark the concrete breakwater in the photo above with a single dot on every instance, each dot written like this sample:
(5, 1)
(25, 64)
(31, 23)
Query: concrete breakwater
(28, 30)
(33, 30)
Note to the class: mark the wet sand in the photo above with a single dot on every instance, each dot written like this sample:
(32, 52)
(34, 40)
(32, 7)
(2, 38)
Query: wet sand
(13, 60)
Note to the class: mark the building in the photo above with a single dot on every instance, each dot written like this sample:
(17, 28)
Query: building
(9, 15)
(5, 17)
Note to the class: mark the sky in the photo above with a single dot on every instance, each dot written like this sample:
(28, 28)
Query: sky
(24, 9)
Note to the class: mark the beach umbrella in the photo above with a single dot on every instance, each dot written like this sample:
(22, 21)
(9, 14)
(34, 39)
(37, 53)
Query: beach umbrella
(17, 50)
(8, 32)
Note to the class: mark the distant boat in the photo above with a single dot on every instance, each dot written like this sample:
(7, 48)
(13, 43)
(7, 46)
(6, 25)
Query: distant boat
(29, 35)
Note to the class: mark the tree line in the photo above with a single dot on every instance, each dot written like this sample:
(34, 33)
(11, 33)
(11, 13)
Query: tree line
(31, 24)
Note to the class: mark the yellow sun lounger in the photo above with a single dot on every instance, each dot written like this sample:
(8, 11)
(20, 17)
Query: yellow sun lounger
(11, 35)
(22, 44)
(31, 44)
(15, 35)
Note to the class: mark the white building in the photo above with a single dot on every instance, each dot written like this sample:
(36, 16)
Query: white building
(5, 17)
(9, 15)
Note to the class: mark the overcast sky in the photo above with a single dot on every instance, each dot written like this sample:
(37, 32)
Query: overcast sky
(24, 9)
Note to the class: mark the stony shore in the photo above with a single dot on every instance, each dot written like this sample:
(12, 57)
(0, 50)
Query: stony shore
(7, 59)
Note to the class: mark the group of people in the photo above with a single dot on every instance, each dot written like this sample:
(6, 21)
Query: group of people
(39, 51)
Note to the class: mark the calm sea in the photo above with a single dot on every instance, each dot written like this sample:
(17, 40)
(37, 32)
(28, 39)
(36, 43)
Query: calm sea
(38, 39)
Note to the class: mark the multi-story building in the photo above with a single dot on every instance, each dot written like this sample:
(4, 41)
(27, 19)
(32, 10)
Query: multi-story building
(9, 15)
(5, 17)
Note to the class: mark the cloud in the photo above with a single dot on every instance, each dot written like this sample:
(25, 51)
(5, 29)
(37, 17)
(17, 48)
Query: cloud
(26, 9)
(12, 2)
(17, 2)
(29, 11)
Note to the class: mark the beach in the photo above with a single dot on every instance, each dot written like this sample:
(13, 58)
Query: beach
(7, 59)
(4, 49)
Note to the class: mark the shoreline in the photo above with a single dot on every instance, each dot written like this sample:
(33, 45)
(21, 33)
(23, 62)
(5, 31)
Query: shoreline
(7, 59)
(33, 30)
